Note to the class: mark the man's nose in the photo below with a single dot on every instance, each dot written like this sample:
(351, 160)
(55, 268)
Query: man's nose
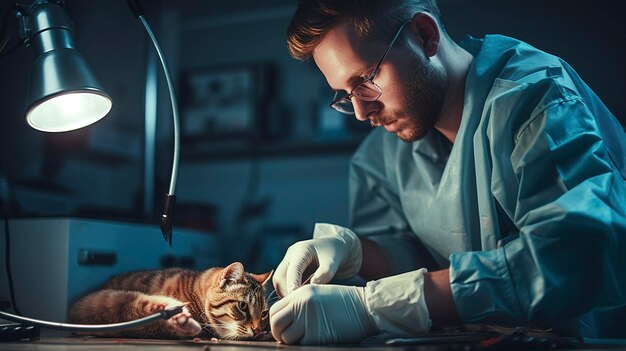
(363, 109)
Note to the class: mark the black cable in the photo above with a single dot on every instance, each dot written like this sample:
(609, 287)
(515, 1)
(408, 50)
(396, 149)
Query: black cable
(5, 40)
(92, 328)
(7, 255)
(17, 8)
(12, 49)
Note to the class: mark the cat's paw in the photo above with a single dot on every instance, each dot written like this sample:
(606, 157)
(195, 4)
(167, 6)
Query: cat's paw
(181, 324)
(156, 307)
(184, 325)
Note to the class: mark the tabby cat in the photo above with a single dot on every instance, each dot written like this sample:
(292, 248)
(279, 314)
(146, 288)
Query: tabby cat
(227, 303)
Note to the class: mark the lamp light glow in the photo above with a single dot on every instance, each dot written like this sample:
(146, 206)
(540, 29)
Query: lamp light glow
(68, 111)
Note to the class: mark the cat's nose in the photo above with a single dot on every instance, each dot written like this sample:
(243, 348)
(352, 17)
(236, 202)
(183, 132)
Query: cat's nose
(258, 329)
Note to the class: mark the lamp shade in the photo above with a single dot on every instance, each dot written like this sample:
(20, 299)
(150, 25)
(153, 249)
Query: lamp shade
(64, 94)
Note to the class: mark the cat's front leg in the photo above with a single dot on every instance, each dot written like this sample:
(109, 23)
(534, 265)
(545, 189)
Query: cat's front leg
(115, 306)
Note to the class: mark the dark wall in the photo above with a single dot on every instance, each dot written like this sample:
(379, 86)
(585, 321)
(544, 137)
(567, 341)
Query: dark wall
(589, 35)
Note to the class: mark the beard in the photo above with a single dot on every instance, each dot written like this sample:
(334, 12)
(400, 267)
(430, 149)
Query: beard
(426, 88)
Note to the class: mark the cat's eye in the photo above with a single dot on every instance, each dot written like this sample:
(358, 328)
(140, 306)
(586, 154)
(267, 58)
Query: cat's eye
(243, 307)
(264, 314)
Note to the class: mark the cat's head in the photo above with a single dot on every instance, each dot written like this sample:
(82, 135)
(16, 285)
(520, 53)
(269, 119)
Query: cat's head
(235, 303)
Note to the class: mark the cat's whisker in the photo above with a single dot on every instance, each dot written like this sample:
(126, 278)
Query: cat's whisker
(220, 327)
(272, 293)
(273, 298)
(206, 327)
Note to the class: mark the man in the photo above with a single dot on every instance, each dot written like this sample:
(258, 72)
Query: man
(494, 193)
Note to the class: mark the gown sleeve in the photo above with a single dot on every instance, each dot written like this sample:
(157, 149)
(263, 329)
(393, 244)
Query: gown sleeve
(570, 208)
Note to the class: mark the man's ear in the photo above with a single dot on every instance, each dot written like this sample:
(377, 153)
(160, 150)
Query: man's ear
(231, 274)
(428, 32)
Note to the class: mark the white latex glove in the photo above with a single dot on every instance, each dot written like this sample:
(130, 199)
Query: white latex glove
(335, 249)
(322, 314)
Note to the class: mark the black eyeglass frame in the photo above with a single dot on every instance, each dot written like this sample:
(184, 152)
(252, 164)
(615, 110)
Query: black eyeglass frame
(347, 99)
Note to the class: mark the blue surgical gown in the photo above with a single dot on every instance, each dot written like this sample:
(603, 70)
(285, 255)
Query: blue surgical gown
(528, 206)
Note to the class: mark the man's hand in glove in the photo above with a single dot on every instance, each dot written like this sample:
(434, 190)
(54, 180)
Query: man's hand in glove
(334, 249)
(322, 314)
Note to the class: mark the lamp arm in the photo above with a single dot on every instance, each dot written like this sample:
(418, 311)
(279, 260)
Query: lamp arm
(170, 86)
(170, 199)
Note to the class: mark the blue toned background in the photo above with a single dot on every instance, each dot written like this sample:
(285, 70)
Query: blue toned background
(262, 188)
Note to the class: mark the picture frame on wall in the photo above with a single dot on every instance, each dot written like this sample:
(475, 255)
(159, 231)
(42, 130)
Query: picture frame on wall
(219, 102)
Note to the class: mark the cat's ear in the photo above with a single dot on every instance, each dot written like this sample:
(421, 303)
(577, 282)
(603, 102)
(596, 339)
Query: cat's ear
(231, 274)
(262, 278)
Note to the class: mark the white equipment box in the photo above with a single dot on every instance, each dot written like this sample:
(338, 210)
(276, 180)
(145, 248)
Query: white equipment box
(55, 261)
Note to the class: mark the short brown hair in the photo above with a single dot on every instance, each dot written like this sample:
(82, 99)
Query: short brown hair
(371, 19)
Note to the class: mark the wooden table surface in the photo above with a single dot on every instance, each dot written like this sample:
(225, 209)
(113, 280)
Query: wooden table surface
(64, 343)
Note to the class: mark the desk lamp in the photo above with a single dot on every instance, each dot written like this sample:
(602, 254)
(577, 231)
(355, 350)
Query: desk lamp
(64, 95)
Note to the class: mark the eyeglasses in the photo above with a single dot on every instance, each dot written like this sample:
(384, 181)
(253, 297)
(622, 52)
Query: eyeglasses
(366, 90)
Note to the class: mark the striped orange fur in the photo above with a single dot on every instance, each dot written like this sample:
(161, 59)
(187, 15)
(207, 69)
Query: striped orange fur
(226, 303)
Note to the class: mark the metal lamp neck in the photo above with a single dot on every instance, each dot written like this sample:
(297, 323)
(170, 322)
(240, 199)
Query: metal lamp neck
(49, 27)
